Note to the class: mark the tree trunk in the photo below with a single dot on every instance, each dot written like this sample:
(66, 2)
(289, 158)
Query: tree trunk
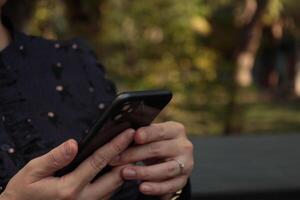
(244, 58)
(249, 42)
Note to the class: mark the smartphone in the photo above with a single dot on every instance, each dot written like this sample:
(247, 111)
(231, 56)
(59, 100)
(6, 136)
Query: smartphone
(128, 110)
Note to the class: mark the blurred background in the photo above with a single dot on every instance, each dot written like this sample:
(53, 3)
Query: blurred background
(233, 65)
(234, 68)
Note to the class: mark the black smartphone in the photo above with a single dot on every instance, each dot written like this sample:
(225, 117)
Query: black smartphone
(128, 110)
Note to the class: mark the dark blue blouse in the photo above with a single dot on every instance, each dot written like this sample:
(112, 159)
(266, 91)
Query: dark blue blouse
(50, 91)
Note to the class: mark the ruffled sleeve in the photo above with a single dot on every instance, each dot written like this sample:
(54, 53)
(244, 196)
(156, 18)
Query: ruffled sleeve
(95, 71)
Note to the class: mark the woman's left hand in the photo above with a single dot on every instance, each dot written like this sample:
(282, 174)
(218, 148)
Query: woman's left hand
(168, 155)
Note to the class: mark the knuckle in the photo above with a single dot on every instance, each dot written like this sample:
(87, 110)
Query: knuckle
(155, 149)
(159, 127)
(189, 168)
(124, 157)
(173, 187)
(53, 159)
(189, 147)
(172, 169)
(180, 127)
(172, 123)
(68, 194)
(30, 165)
(161, 134)
(98, 161)
(192, 165)
(158, 131)
(160, 190)
(143, 174)
(118, 147)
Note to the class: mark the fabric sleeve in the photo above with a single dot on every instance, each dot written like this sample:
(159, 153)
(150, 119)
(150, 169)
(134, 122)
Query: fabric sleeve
(105, 89)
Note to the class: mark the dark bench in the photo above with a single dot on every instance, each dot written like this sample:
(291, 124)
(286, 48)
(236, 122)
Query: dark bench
(247, 167)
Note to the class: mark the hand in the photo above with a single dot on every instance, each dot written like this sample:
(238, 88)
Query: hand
(159, 146)
(35, 180)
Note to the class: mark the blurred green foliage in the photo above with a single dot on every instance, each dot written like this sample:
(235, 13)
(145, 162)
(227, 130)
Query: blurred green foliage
(186, 46)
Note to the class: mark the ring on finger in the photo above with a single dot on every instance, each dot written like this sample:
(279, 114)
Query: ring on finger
(180, 165)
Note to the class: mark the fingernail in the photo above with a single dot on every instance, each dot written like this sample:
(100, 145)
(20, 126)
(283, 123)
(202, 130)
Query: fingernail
(146, 188)
(115, 160)
(131, 131)
(129, 173)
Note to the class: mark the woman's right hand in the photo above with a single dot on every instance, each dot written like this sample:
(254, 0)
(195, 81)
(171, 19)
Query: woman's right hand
(36, 182)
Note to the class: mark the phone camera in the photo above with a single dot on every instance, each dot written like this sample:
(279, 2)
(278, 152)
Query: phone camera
(126, 107)
(117, 117)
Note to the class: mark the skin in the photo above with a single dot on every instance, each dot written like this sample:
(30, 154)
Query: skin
(156, 145)
(36, 182)
(5, 37)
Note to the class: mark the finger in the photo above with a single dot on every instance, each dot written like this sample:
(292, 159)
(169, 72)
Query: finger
(107, 197)
(158, 172)
(162, 188)
(143, 152)
(49, 163)
(88, 169)
(105, 185)
(158, 132)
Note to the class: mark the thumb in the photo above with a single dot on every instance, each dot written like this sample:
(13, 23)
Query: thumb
(54, 160)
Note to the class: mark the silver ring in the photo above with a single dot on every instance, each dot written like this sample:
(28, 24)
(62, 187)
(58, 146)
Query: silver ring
(180, 164)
